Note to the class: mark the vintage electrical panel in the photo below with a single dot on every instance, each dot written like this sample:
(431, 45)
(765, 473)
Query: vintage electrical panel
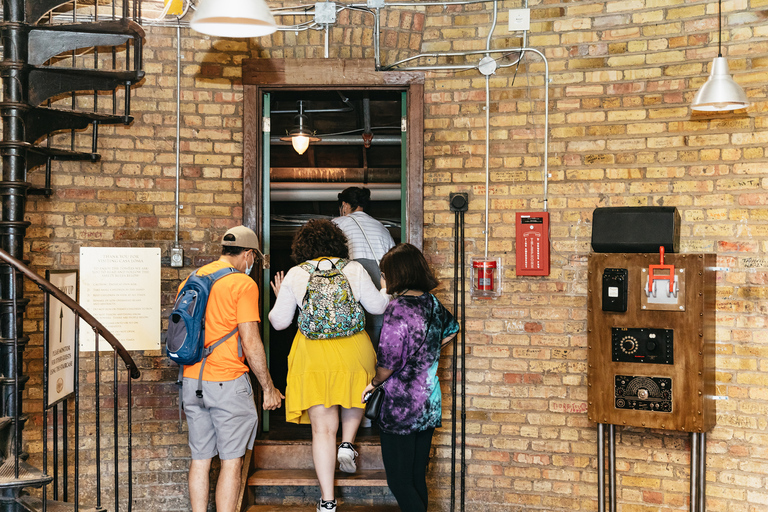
(532, 243)
(651, 340)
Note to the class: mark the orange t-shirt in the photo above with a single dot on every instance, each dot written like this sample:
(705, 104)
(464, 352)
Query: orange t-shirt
(234, 300)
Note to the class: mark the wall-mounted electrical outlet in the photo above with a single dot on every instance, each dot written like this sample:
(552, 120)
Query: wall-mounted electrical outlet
(177, 257)
(519, 19)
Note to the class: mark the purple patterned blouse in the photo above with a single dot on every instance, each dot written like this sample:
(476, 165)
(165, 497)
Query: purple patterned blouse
(412, 397)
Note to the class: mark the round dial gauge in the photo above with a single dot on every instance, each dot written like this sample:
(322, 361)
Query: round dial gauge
(628, 345)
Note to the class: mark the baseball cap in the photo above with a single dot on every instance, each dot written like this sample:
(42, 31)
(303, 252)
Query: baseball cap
(241, 236)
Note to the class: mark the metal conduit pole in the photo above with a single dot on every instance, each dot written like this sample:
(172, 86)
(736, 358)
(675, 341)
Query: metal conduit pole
(702, 485)
(488, 129)
(178, 128)
(612, 468)
(694, 472)
(600, 467)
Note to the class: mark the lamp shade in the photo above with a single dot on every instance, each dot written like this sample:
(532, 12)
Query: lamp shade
(233, 18)
(719, 93)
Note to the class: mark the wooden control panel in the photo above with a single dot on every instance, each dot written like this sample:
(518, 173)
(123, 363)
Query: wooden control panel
(651, 365)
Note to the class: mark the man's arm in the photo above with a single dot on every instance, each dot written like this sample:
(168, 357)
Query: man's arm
(257, 360)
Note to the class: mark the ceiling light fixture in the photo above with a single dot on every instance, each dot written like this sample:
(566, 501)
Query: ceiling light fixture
(720, 92)
(233, 18)
(301, 134)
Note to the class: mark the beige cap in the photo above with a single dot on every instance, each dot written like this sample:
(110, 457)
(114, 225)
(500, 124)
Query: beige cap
(241, 236)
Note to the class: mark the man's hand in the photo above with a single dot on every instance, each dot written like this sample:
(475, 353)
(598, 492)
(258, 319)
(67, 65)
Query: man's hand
(272, 399)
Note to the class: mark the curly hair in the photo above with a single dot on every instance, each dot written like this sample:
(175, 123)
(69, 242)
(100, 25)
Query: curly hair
(317, 238)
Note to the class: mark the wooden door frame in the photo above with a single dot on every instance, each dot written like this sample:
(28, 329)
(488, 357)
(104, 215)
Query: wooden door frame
(266, 75)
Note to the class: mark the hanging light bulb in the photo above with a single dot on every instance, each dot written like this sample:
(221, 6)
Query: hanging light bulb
(300, 135)
(233, 18)
(720, 92)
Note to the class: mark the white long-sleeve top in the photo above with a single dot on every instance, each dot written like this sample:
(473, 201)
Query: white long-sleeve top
(294, 287)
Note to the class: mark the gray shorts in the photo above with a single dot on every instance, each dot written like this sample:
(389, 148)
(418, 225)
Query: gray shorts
(223, 421)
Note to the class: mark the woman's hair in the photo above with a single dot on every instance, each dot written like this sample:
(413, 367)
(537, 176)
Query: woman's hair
(355, 196)
(405, 268)
(319, 237)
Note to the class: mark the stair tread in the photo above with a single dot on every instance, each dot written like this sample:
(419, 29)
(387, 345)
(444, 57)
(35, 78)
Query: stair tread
(307, 477)
(312, 508)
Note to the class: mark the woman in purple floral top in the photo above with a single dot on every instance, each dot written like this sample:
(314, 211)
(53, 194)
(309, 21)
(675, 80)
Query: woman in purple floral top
(416, 326)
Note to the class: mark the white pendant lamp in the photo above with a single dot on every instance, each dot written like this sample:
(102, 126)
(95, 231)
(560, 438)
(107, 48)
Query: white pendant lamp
(720, 93)
(233, 18)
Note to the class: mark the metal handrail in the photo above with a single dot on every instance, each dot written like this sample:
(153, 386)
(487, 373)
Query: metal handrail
(78, 309)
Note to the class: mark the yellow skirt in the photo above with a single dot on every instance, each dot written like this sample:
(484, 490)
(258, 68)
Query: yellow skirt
(328, 372)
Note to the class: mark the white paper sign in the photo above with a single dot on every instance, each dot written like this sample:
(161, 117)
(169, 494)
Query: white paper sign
(61, 338)
(120, 287)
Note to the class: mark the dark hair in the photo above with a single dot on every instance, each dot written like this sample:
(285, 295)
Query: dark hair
(355, 196)
(319, 237)
(405, 268)
(232, 250)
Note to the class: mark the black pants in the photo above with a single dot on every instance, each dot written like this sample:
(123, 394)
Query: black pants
(405, 461)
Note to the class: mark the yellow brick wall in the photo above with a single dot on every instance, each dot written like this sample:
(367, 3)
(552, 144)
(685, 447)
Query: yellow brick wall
(623, 74)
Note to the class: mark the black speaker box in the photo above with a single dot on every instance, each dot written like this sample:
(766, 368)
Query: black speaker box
(634, 229)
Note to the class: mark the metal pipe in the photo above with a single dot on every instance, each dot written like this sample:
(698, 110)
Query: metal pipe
(487, 157)
(600, 467)
(46, 369)
(694, 472)
(346, 140)
(703, 472)
(116, 437)
(77, 412)
(454, 360)
(97, 406)
(17, 370)
(376, 38)
(327, 30)
(463, 370)
(178, 129)
(612, 468)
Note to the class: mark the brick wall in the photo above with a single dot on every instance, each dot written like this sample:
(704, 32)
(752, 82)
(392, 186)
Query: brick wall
(623, 74)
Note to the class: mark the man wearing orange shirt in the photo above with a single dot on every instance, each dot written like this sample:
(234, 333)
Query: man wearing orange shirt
(223, 421)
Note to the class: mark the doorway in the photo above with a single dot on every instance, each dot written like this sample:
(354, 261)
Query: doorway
(339, 101)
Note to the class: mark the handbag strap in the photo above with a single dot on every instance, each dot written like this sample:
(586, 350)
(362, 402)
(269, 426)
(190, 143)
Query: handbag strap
(366, 239)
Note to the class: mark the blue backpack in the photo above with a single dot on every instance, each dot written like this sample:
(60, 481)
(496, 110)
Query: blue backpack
(185, 337)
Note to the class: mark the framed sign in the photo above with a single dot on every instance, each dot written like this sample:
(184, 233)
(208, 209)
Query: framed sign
(61, 337)
(120, 287)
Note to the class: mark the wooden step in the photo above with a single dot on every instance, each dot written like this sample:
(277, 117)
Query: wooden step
(308, 477)
(297, 455)
(313, 508)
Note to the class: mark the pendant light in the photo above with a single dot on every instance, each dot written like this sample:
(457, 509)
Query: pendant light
(301, 134)
(720, 92)
(233, 18)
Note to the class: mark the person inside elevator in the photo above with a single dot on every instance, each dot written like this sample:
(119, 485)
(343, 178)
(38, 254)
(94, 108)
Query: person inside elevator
(222, 416)
(416, 327)
(367, 239)
(331, 359)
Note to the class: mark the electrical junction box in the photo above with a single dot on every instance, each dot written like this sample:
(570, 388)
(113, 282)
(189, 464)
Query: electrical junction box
(651, 348)
(519, 19)
(325, 13)
(532, 243)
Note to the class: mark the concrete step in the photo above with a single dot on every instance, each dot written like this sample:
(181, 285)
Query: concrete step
(307, 477)
(313, 508)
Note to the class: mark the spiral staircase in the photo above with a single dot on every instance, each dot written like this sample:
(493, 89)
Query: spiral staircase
(55, 59)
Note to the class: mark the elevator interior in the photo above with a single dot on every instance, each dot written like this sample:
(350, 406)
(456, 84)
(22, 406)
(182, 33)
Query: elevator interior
(306, 186)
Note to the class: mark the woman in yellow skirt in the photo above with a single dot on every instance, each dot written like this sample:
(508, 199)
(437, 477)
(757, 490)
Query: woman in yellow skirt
(332, 358)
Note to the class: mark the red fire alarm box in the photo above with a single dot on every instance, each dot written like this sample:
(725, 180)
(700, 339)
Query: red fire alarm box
(532, 243)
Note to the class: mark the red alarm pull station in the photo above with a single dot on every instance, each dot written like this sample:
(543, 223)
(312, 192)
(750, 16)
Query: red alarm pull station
(532, 243)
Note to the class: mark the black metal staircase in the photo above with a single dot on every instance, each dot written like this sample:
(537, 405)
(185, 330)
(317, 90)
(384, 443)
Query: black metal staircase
(40, 69)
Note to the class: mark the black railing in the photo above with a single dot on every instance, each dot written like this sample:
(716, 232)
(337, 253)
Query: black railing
(26, 476)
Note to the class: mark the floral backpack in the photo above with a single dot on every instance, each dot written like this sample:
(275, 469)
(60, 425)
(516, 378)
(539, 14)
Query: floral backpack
(329, 310)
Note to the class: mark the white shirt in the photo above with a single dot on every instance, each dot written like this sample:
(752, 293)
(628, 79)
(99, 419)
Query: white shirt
(294, 287)
(378, 235)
